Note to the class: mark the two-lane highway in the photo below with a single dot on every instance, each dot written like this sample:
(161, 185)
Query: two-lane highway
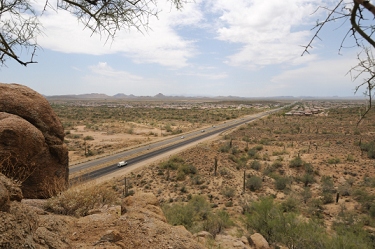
(156, 149)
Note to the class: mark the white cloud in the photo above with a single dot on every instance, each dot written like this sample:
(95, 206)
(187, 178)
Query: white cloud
(161, 44)
(319, 78)
(264, 29)
(103, 78)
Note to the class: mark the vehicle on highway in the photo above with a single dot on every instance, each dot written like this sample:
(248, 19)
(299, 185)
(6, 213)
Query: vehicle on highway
(182, 137)
(202, 130)
(122, 163)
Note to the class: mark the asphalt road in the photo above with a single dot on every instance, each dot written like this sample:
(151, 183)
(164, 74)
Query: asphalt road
(155, 149)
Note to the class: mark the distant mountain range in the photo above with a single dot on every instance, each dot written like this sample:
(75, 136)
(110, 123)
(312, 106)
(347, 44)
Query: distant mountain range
(160, 96)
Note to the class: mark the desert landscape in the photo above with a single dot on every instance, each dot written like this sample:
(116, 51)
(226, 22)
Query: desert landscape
(319, 167)
(301, 178)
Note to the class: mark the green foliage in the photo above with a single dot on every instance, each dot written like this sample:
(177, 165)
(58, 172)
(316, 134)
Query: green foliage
(177, 163)
(197, 215)
(307, 179)
(277, 164)
(281, 182)
(254, 183)
(252, 153)
(366, 199)
(296, 162)
(225, 148)
(334, 160)
(255, 165)
(327, 184)
(228, 192)
(369, 148)
(279, 225)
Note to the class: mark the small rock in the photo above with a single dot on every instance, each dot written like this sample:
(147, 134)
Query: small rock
(258, 241)
(111, 236)
(204, 234)
(238, 244)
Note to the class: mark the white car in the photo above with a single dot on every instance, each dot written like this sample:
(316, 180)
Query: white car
(182, 137)
(202, 130)
(122, 163)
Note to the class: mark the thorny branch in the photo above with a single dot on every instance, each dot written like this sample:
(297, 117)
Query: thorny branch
(20, 26)
(365, 67)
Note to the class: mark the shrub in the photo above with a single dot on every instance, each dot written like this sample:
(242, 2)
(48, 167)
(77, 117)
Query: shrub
(228, 192)
(296, 162)
(254, 183)
(252, 153)
(180, 175)
(277, 164)
(333, 160)
(225, 148)
(307, 179)
(255, 165)
(281, 182)
(290, 204)
(369, 148)
(77, 202)
(88, 138)
(327, 184)
(188, 169)
(215, 223)
(197, 180)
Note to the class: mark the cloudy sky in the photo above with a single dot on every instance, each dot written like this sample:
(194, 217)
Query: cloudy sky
(248, 48)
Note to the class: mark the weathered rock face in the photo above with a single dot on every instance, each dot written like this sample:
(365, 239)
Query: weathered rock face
(31, 142)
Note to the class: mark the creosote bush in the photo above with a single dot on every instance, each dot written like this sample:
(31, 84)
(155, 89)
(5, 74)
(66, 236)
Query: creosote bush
(281, 224)
(78, 201)
(197, 215)
(254, 183)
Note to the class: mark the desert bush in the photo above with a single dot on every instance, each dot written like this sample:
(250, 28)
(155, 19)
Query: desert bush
(366, 199)
(88, 138)
(188, 169)
(277, 164)
(369, 148)
(290, 204)
(269, 169)
(196, 215)
(225, 148)
(296, 162)
(224, 171)
(181, 175)
(255, 165)
(254, 183)
(344, 189)
(228, 192)
(334, 160)
(327, 184)
(306, 194)
(281, 182)
(197, 180)
(78, 201)
(327, 198)
(307, 179)
(275, 225)
(252, 153)
(258, 147)
(215, 223)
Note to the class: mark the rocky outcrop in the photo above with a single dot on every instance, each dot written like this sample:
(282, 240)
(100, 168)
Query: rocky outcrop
(137, 223)
(31, 142)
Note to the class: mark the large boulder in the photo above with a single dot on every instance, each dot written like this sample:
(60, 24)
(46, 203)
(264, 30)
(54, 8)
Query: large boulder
(32, 151)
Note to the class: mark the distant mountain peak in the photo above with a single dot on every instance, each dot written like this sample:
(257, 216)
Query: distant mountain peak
(159, 95)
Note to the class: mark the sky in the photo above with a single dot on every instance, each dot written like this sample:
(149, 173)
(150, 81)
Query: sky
(246, 48)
